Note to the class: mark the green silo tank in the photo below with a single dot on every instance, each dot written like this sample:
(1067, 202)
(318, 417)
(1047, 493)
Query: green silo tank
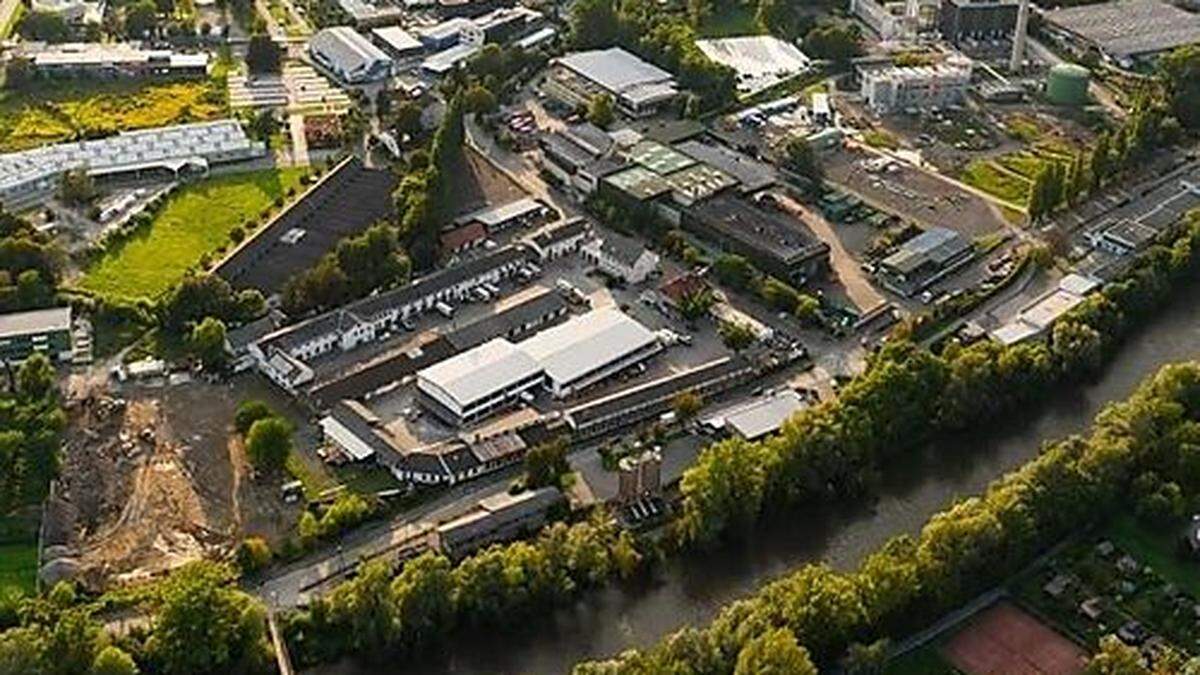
(1067, 84)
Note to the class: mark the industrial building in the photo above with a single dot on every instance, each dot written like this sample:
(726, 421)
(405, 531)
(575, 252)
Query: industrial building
(175, 151)
(112, 60)
(560, 239)
(778, 244)
(281, 356)
(757, 418)
(1123, 32)
(638, 88)
(349, 56)
(760, 61)
(621, 258)
(977, 19)
(1124, 237)
(1036, 320)
(497, 518)
(366, 13)
(46, 331)
(397, 42)
(346, 201)
(579, 156)
(925, 259)
(73, 12)
(562, 360)
(890, 89)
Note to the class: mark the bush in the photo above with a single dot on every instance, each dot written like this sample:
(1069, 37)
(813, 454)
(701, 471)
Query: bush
(253, 554)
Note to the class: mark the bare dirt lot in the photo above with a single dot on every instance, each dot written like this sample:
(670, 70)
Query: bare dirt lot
(154, 478)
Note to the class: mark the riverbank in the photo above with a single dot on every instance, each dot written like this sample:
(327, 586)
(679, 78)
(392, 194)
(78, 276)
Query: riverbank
(690, 589)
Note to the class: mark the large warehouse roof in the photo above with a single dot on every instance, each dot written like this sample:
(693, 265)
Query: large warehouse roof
(619, 72)
(760, 61)
(481, 371)
(347, 50)
(586, 343)
(1129, 28)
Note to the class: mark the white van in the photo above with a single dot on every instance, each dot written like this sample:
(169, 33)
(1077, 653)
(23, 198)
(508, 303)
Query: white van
(444, 309)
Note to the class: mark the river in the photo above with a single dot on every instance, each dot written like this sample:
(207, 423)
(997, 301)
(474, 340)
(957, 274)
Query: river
(691, 589)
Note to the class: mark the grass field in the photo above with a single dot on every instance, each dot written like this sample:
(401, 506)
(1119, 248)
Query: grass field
(990, 177)
(1156, 549)
(18, 566)
(67, 110)
(196, 220)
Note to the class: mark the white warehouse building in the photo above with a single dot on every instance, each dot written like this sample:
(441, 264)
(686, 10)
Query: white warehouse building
(350, 56)
(890, 89)
(29, 175)
(563, 360)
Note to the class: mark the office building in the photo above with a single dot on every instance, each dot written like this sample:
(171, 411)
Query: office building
(891, 89)
(638, 88)
(46, 331)
(349, 56)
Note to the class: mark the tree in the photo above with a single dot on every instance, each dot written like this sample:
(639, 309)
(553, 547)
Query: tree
(45, 27)
(774, 653)
(264, 125)
(594, 23)
(686, 404)
(253, 554)
(736, 336)
(1100, 162)
(1115, 658)
(263, 56)
(208, 343)
(140, 19)
(546, 464)
(35, 379)
(800, 157)
(835, 41)
(783, 19)
(600, 111)
(203, 625)
(268, 444)
(408, 118)
(734, 271)
(77, 188)
(113, 660)
(696, 304)
(424, 597)
(866, 659)
(1181, 69)
(479, 100)
(249, 412)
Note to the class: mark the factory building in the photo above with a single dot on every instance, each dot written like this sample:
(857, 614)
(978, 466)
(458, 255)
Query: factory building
(639, 88)
(349, 56)
(891, 89)
(977, 19)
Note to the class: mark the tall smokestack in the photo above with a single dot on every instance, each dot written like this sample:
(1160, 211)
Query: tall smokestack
(1018, 52)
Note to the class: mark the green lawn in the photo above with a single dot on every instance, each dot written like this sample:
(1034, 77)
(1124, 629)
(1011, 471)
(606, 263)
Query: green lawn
(1156, 549)
(991, 178)
(18, 566)
(733, 18)
(196, 220)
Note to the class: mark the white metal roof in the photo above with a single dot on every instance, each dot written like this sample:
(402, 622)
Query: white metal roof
(765, 415)
(759, 60)
(148, 147)
(478, 372)
(348, 49)
(583, 344)
(345, 438)
(446, 59)
(618, 71)
(397, 38)
(35, 321)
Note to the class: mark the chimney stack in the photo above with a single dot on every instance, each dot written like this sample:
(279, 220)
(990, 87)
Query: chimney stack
(1018, 52)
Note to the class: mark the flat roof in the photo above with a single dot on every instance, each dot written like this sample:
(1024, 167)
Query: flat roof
(397, 38)
(751, 173)
(511, 318)
(618, 71)
(447, 59)
(495, 216)
(700, 181)
(116, 53)
(640, 182)
(659, 158)
(480, 371)
(783, 237)
(1047, 310)
(35, 321)
(764, 415)
(1130, 27)
(936, 245)
(585, 343)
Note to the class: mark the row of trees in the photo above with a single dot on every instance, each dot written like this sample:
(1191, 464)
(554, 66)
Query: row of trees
(379, 613)
(425, 197)
(31, 427)
(1061, 184)
(30, 265)
(740, 274)
(198, 623)
(359, 265)
(907, 395)
(971, 546)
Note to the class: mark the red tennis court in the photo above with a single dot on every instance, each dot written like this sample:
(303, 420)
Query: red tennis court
(1003, 640)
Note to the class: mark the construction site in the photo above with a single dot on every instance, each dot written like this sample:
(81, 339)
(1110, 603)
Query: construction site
(153, 477)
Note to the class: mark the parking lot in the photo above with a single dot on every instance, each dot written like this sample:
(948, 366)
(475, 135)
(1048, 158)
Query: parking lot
(913, 194)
